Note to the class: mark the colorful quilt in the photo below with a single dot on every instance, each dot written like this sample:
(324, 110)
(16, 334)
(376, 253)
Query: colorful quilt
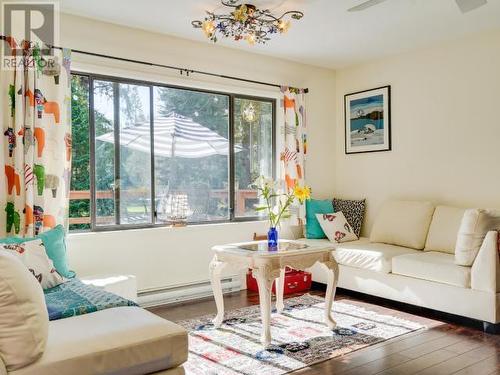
(75, 298)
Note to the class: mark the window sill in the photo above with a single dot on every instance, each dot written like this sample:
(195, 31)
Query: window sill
(160, 227)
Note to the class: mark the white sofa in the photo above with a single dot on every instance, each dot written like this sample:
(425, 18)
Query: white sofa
(122, 340)
(425, 275)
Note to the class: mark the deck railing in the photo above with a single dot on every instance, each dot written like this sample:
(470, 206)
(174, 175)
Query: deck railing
(241, 196)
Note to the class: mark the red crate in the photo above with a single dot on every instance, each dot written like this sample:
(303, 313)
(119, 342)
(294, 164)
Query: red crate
(295, 282)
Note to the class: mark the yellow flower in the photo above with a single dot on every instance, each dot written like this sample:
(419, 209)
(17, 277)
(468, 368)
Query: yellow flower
(240, 14)
(250, 38)
(208, 28)
(283, 26)
(302, 192)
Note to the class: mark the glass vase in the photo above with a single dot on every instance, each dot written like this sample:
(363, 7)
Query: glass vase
(272, 238)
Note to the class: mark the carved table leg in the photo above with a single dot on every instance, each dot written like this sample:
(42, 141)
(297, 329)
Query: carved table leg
(280, 286)
(265, 282)
(215, 269)
(332, 269)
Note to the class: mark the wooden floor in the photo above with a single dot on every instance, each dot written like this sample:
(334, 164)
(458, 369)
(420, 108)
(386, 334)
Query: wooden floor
(446, 347)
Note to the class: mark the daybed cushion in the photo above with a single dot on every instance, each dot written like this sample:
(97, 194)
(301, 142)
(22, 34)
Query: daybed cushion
(23, 314)
(444, 229)
(403, 223)
(122, 340)
(370, 256)
(432, 266)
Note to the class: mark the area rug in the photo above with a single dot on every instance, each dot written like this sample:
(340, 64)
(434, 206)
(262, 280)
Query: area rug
(299, 336)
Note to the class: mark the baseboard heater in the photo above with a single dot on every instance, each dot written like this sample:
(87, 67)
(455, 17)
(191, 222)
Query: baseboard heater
(187, 292)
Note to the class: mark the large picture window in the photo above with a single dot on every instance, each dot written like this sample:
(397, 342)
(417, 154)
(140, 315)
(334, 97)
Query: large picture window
(146, 154)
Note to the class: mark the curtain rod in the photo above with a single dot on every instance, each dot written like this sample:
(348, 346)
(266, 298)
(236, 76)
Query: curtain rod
(181, 70)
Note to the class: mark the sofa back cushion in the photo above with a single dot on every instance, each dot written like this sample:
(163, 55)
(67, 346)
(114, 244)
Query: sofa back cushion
(403, 223)
(444, 228)
(24, 320)
(473, 228)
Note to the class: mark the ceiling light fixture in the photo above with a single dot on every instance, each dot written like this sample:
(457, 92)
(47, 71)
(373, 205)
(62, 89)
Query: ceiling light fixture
(247, 22)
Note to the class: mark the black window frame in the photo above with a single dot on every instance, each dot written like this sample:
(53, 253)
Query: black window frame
(116, 80)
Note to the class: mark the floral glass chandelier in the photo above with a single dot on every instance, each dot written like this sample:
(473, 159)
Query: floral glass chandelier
(245, 21)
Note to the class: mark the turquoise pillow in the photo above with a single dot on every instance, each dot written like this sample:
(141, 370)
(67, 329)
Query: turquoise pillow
(313, 207)
(55, 245)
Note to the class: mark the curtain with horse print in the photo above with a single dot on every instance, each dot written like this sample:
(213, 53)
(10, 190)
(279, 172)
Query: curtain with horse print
(293, 146)
(36, 142)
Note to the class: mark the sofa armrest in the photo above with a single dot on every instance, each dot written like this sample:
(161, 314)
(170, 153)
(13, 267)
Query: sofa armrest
(485, 274)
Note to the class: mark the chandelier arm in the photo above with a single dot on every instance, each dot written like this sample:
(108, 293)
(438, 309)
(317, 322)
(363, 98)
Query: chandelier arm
(295, 13)
(229, 3)
(223, 18)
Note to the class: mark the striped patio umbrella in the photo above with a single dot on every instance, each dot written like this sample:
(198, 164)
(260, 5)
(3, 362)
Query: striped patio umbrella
(174, 136)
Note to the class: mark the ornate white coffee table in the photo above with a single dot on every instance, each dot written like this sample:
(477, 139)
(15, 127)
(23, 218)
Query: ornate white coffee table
(268, 266)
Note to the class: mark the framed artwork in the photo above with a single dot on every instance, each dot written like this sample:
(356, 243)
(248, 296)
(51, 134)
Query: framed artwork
(368, 120)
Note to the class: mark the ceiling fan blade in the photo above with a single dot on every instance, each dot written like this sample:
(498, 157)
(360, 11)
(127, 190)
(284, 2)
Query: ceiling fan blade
(469, 5)
(365, 5)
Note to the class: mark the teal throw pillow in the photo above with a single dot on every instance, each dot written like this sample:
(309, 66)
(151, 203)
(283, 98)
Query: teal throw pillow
(313, 207)
(55, 245)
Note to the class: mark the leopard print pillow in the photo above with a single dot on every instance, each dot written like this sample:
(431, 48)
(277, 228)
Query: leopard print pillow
(354, 212)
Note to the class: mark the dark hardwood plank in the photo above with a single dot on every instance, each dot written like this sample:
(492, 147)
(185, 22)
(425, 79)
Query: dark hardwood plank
(487, 366)
(460, 362)
(374, 367)
(420, 363)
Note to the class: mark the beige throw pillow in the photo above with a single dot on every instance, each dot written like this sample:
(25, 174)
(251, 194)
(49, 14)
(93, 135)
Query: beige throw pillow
(336, 227)
(444, 227)
(35, 258)
(24, 320)
(475, 224)
(403, 223)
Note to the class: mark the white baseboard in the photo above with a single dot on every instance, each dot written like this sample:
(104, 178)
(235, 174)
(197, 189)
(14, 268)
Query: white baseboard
(183, 293)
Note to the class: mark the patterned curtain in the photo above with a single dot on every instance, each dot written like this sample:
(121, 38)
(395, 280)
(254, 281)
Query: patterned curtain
(36, 141)
(293, 145)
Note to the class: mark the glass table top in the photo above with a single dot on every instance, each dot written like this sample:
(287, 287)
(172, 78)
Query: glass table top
(282, 246)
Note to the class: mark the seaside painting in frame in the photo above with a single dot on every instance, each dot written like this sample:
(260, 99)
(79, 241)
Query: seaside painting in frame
(368, 121)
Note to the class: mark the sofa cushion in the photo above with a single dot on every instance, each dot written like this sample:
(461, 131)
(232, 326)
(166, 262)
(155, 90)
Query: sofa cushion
(473, 228)
(336, 227)
(313, 207)
(432, 266)
(120, 340)
(55, 245)
(23, 314)
(33, 255)
(444, 229)
(403, 223)
(354, 212)
(368, 255)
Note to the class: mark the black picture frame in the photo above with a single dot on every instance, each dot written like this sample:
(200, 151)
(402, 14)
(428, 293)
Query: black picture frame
(369, 132)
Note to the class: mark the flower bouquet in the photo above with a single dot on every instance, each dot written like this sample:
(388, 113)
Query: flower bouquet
(277, 202)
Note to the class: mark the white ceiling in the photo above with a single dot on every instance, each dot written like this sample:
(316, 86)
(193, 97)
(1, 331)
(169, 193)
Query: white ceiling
(327, 36)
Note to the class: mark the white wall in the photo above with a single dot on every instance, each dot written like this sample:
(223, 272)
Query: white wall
(445, 127)
(167, 256)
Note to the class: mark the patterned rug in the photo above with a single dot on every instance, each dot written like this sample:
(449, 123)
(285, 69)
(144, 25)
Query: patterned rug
(299, 337)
